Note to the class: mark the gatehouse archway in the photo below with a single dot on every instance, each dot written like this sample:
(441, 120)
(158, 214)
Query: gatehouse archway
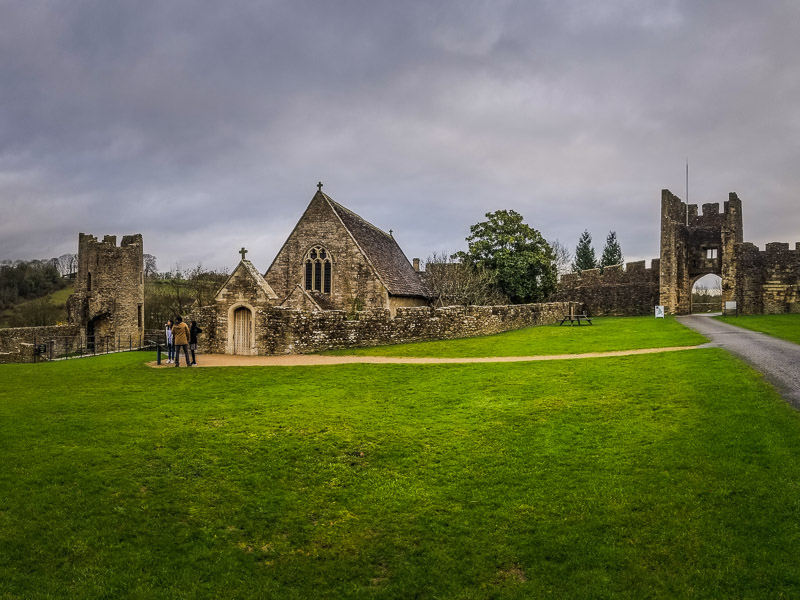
(707, 294)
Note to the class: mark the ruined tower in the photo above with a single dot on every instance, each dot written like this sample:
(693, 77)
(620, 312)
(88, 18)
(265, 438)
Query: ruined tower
(108, 302)
(693, 245)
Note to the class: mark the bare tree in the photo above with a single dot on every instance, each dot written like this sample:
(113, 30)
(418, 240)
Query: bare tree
(150, 267)
(66, 264)
(455, 283)
(176, 292)
(203, 283)
(563, 257)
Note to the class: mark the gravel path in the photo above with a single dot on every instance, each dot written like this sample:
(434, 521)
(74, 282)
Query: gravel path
(305, 360)
(777, 359)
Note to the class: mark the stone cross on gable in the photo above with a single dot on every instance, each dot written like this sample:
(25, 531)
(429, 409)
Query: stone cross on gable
(242, 252)
(319, 186)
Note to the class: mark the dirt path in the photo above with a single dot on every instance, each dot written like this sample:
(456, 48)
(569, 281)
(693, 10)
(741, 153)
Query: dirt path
(307, 360)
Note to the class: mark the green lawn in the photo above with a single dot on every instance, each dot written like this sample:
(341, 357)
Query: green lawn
(786, 327)
(606, 334)
(660, 476)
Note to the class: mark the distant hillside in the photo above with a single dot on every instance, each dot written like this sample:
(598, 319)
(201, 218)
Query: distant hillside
(49, 309)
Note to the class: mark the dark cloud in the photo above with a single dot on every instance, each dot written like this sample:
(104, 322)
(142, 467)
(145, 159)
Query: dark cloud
(205, 126)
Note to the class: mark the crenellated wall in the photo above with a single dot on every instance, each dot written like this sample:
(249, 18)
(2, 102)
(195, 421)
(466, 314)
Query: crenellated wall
(767, 281)
(616, 291)
(289, 331)
(109, 289)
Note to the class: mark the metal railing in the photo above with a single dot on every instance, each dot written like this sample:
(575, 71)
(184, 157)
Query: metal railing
(80, 346)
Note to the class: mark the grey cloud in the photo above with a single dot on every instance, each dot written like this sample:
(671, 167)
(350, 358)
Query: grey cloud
(126, 117)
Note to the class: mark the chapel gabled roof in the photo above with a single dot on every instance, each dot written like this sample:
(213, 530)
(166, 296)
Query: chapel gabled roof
(246, 267)
(381, 249)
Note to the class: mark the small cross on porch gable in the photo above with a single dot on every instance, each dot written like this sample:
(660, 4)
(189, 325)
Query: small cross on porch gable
(243, 252)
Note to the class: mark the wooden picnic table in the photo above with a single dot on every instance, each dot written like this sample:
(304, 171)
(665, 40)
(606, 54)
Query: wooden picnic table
(573, 318)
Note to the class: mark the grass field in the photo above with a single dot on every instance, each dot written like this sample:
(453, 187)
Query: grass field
(660, 476)
(606, 334)
(786, 327)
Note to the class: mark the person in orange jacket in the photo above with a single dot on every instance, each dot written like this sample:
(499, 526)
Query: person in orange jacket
(180, 337)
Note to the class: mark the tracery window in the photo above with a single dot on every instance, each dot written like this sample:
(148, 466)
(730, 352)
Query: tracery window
(318, 270)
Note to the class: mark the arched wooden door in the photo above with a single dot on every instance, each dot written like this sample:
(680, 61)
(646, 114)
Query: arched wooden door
(242, 331)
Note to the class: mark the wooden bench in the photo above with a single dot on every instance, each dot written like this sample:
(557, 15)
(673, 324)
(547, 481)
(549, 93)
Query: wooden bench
(573, 318)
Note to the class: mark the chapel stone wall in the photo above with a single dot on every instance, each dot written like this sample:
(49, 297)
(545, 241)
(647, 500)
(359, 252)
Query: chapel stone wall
(289, 331)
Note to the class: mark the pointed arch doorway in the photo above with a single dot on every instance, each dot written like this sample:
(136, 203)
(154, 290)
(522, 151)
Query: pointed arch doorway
(241, 331)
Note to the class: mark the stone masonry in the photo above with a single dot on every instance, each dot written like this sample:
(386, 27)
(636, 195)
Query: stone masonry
(616, 291)
(280, 330)
(108, 302)
(107, 307)
(767, 281)
(694, 244)
(17, 343)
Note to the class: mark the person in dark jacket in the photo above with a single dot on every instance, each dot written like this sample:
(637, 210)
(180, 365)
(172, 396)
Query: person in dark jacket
(193, 331)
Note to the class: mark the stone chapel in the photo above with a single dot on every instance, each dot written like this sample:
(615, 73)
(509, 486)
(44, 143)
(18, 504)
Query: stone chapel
(333, 260)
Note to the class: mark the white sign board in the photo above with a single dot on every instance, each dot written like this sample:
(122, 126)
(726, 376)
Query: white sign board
(730, 305)
(659, 312)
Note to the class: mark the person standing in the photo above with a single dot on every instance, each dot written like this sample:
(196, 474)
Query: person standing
(180, 335)
(170, 345)
(193, 331)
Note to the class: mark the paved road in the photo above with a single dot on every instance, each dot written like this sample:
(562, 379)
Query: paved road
(777, 359)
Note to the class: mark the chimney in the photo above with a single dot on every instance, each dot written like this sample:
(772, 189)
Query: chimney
(416, 264)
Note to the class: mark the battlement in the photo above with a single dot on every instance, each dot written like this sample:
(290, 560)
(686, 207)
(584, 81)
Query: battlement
(675, 210)
(770, 248)
(630, 289)
(109, 287)
(110, 240)
(632, 271)
(767, 281)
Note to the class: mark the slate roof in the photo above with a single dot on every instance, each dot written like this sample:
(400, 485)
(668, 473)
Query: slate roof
(382, 251)
(314, 299)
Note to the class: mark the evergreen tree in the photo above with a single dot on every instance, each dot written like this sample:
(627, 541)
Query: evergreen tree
(612, 253)
(584, 254)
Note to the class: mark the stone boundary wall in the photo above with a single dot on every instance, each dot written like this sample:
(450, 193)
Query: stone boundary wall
(291, 331)
(767, 281)
(16, 343)
(615, 291)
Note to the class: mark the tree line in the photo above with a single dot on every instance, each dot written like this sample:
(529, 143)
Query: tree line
(173, 293)
(585, 256)
(509, 262)
(25, 280)
(25, 286)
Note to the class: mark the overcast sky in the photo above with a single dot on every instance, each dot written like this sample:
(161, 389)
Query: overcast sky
(206, 126)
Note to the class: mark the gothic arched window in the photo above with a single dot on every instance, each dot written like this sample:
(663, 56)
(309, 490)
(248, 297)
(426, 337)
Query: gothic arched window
(318, 270)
